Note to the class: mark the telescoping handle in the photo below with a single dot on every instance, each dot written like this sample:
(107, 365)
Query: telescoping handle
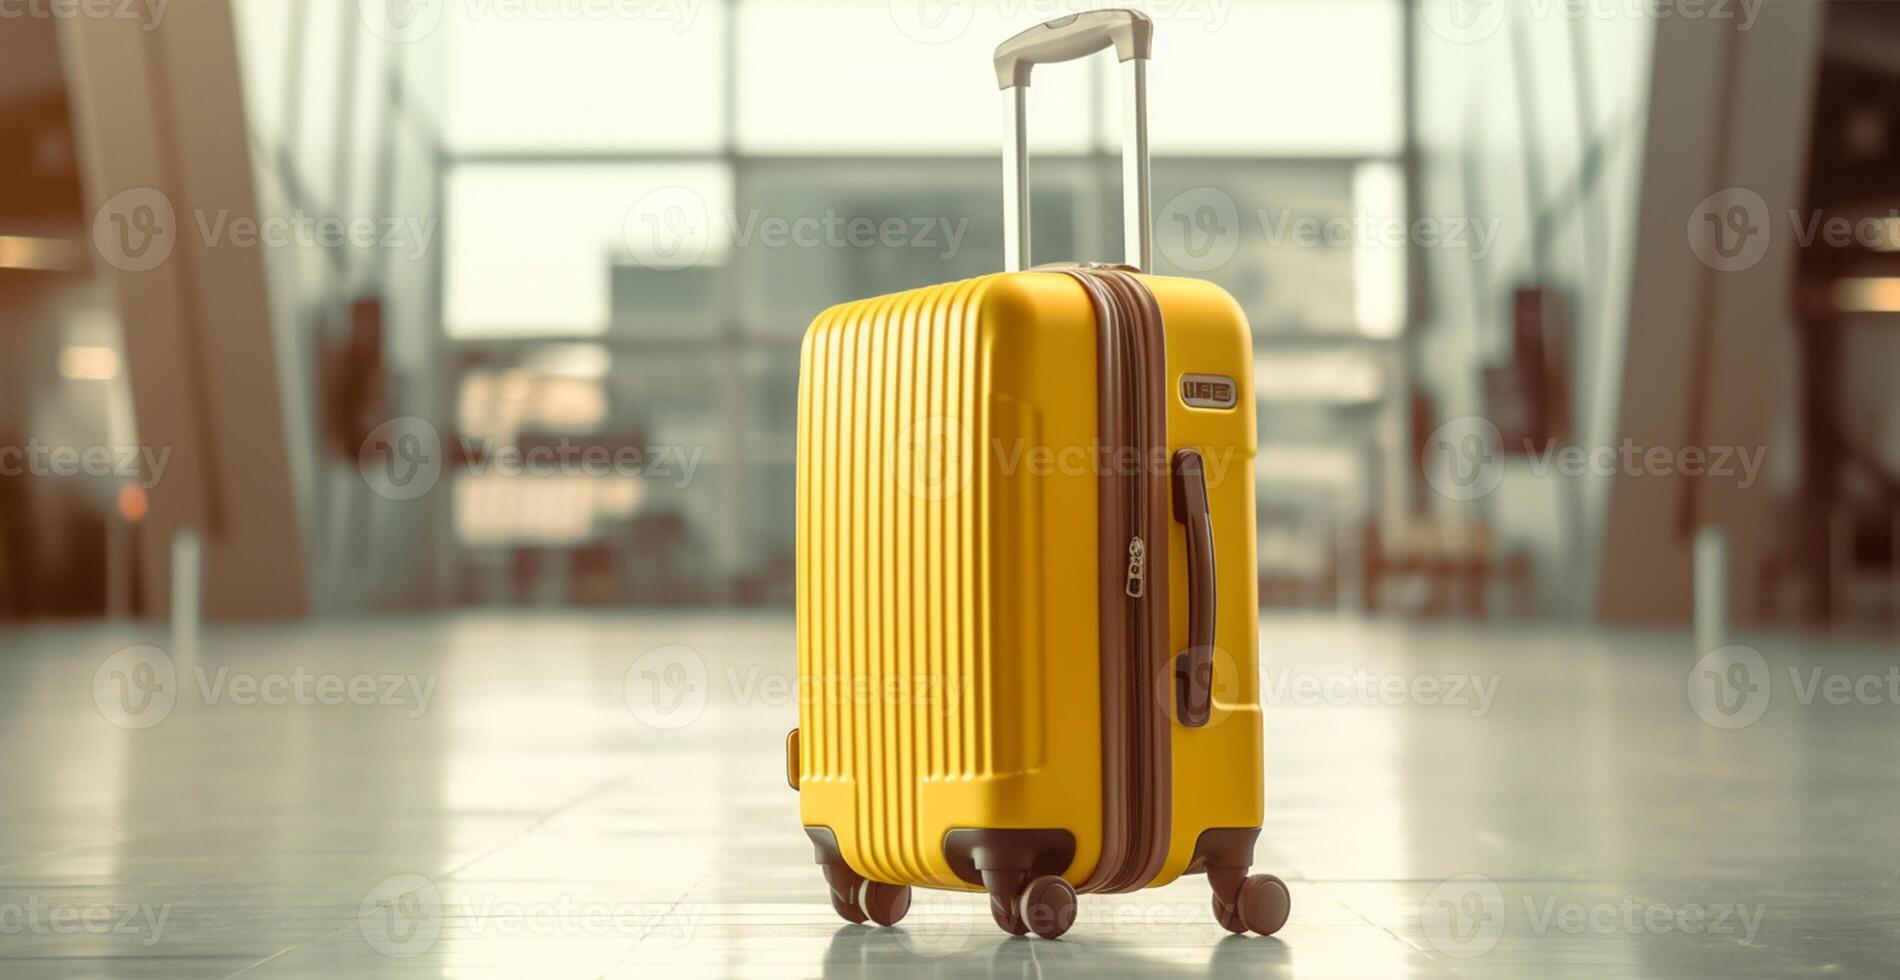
(1131, 34)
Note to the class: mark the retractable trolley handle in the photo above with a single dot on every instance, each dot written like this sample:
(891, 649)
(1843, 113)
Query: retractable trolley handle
(1131, 34)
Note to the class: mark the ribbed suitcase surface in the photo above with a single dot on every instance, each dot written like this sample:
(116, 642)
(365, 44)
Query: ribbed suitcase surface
(893, 591)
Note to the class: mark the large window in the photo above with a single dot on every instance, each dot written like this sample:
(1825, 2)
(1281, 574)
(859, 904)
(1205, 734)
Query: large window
(659, 186)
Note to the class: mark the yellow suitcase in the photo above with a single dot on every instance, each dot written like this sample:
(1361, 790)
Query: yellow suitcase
(1027, 615)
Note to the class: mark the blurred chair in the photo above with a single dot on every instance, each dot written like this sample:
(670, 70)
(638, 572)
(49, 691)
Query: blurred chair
(1863, 566)
(1299, 564)
(1437, 559)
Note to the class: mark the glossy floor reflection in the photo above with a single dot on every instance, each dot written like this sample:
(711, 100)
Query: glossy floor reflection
(473, 796)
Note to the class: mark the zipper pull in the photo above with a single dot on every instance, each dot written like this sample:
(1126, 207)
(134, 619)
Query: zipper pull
(1137, 568)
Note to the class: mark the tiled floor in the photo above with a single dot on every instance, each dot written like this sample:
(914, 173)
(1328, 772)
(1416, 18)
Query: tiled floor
(473, 796)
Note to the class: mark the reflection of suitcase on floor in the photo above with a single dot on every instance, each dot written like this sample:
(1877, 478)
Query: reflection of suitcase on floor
(1026, 589)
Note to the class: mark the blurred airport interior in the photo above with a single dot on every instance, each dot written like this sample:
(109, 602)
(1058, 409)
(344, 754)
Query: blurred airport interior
(575, 254)
(1476, 231)
(459, 340)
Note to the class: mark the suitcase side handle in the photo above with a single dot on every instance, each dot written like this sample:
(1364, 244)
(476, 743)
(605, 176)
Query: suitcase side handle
(1194, 668)
(1131, 34)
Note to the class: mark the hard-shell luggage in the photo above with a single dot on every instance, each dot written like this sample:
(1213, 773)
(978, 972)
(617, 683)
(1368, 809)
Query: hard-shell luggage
(1027, 615)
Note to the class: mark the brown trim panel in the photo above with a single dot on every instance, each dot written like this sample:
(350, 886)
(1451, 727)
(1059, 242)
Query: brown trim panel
(1133, 528)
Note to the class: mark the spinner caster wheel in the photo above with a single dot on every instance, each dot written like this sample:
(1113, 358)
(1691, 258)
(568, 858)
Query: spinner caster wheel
(883, 904)
(1048, 906)
(1260, 905)
(845, 887)
(1005, 889)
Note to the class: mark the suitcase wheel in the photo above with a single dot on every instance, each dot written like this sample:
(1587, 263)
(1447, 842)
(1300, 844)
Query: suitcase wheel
(854, 897)
(846, 905)
(883, 904)
(845, 887)
(1047, 907)
(1260, 905)
(1007, 911)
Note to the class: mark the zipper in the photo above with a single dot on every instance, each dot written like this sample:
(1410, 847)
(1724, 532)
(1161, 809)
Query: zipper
(1134, 392)
(1137, 568)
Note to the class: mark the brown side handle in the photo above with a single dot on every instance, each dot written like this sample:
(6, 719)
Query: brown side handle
(1194, 668)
